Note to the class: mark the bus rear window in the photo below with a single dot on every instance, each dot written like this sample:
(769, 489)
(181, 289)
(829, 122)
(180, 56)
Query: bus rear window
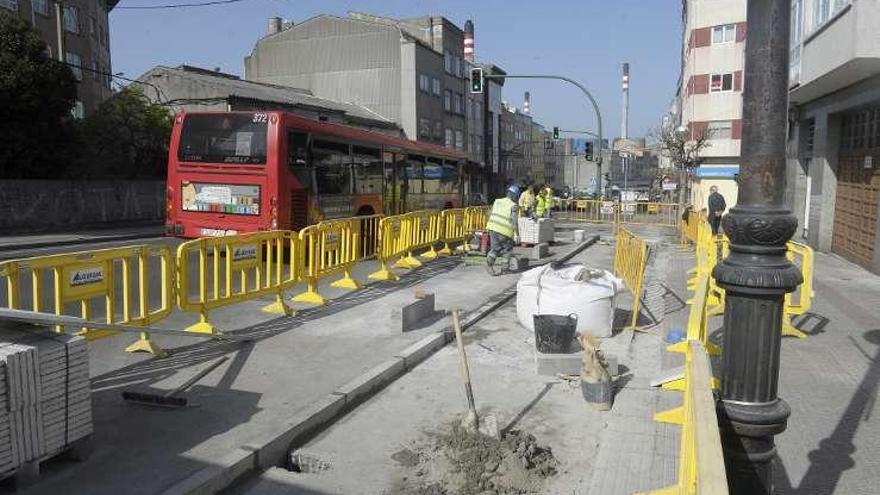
(224, 138)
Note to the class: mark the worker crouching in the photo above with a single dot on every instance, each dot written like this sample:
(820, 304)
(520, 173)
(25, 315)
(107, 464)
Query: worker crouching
(502, 226)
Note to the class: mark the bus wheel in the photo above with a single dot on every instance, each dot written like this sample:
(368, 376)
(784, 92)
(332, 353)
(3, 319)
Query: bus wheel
(365, 210)
(447, 206)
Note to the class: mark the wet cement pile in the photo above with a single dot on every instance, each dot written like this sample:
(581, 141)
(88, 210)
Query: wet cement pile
(458, 462)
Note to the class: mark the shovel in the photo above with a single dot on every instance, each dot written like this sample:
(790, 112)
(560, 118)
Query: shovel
(489, 424)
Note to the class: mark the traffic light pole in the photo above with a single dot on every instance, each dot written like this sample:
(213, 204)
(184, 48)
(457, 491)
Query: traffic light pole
(757, 275)
(583, 90)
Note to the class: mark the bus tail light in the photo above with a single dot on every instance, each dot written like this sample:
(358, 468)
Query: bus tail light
(273, 213)
(169, 203)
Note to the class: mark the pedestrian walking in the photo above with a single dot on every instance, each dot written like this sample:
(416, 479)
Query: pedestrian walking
(502, 227)
(717, 205)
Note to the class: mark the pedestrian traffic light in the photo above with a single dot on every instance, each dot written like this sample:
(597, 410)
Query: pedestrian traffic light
(588, 151)
(555, 133)
(477, 80)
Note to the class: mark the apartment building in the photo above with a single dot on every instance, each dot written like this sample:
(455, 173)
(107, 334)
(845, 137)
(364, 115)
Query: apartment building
(84, 42)
(833, 184)
(713, 56)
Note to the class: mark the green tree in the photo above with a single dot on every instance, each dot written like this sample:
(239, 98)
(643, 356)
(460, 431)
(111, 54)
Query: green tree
(36, 95)
(126, 138)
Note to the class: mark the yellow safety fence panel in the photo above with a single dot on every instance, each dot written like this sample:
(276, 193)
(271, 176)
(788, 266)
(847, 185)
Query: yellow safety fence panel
(630, 256)
(331, 248)
(799, 302)
(588, 210)
(649, 213)
(453, 229)
(476, 218)
(701, 468)
(423, 232)
(689, 226)
(393, 244)
(97, 281)
(218, 271)
(368, 245)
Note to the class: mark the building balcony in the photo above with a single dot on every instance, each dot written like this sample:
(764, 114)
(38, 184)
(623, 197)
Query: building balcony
(840, 52)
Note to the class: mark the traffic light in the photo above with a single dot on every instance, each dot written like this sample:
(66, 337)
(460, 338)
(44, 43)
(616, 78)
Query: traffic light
(477, 80)
(588, 151)
(555, 133)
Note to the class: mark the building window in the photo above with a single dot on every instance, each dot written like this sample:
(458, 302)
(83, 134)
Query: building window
(424, 128)
(92, 29)
(823, 10)
(721, 82)
(478, 112)
(724, 34)
(447, 59)
(9, 4)
(459, 140)
(795, 36)
(71, 19)
(456, 66)
(450, 138)
(438, 131)
(74, 61)
(41, 7)
(447, 100)
(77, 110)
(457, 103)
(96, 71)
(424, 83)
(720, 129)
(811, 135)
(436, 88)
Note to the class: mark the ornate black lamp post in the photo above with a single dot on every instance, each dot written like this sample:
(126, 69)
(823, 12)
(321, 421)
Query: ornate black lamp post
(756, 275)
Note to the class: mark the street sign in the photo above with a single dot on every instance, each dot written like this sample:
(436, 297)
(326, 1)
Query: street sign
(607, 207)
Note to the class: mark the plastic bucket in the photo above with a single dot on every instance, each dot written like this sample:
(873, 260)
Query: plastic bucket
(554, 334)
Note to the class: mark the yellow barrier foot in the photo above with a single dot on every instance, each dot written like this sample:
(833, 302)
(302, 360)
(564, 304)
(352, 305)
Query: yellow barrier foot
(310, 297)
(383, 274)
(145, 344)
(92, 334)
(669, 490)
(788, 330)
(278, 307)
(716, 310)
(678, 347)
(712, 349)
(346, 283)
(429, 254)
(673, 416)
(446, 251)
(680, 384)
(408, 262)
(203, 327)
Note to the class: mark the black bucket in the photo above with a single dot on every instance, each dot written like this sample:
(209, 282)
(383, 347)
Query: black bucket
(554, 334)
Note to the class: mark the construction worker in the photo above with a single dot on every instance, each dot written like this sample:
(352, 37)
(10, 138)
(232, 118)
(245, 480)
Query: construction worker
(502, 227)
(527, 201)
(544, 202)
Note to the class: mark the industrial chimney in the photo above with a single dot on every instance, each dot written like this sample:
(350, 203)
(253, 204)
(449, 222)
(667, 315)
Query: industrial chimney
(527, 103)
(624, 120)
(274, 26)
(469, 40)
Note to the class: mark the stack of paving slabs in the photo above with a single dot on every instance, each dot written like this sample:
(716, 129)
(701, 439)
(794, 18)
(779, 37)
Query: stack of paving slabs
(45, 401)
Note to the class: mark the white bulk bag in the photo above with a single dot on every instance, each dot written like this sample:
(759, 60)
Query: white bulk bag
(588, 293)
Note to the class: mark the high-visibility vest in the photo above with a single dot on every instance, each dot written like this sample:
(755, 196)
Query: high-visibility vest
(543, 205)
(499, 218)
(549, 193)
(527, 200)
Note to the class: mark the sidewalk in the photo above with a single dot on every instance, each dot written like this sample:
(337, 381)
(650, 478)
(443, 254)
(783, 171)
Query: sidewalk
(294, 364)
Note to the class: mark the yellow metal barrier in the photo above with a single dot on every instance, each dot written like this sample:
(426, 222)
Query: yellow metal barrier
(330, 248)
(368, 229)
(689, 226)
(588, 210)
(393, 243)
(84, 277)
(630, 255)
(698, 323)
(258, 261)
(476, 217)
(452, 230)
(649, 213)
(701, 468)
(423, 231)
(802, 256)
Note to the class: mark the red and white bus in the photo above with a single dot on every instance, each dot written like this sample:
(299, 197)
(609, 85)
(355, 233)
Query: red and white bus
(235, 172)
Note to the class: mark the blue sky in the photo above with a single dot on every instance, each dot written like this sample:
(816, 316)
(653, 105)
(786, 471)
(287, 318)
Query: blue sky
(585, 40)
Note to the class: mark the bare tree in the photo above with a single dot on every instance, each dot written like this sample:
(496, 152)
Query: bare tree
(684, 150)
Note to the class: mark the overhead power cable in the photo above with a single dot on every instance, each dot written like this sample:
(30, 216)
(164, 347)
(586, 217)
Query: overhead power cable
(176, 6)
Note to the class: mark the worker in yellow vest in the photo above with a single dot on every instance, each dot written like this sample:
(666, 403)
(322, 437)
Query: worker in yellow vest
(502, 227)
(527, 201)
(544, 203)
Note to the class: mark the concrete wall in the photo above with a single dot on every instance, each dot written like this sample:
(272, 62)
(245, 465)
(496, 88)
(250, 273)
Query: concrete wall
(40, 205)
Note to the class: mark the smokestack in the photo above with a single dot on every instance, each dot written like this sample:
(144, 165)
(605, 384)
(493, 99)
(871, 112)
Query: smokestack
(624, 120)
(469, 40)
(274, 26)
(527, 103)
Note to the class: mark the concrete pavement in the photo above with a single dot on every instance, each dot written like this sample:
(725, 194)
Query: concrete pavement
(295, 361)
